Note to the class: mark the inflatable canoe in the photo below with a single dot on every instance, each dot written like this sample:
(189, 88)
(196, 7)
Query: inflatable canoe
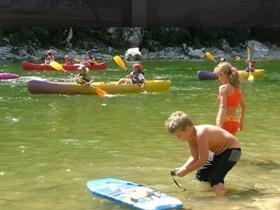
(208, 75)
(258, 74)
(37, 86)
(132, 194)
(8, 76)
(44, 67)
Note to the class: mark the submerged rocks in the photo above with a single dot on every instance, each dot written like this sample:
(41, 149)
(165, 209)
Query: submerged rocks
(259, 50)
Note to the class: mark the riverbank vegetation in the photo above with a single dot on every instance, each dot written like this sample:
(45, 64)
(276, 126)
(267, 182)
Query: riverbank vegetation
(121, 37)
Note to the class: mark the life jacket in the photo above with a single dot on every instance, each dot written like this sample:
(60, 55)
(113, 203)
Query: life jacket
(135, 77)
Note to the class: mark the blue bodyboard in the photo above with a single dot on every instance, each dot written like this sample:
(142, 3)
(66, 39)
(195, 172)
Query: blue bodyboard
(132, 194)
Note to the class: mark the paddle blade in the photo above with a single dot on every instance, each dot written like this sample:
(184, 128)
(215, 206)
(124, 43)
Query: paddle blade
(100, 92)
(119, 61)
(210, 57)
(56, 66)
(251, 77)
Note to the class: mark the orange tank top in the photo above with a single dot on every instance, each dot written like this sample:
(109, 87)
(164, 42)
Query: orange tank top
(234, 99)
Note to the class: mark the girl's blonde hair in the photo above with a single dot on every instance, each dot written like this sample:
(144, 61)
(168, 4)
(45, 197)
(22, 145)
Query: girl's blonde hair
(232, 73)
(178, 121)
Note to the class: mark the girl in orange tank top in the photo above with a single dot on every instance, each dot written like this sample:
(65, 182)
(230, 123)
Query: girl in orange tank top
(230, 98)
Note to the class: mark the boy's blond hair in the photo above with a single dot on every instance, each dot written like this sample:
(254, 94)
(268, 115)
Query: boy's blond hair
(177, 121)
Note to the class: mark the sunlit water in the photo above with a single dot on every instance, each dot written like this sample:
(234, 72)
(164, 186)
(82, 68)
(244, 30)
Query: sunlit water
(51, 145)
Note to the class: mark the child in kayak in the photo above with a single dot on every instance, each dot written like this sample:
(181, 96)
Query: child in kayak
(201, 139)
(230, 98)
(83, 77)
(68, 60)
(135, 77)
(88, 60)
(49, 58)
(251, 65)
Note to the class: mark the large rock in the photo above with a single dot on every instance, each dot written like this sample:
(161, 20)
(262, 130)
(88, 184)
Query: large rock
(133, 54)
(197, 53)
(259, 50)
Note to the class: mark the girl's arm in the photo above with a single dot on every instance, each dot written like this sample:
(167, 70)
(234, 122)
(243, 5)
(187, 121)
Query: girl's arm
(222, 106)
(242, 112)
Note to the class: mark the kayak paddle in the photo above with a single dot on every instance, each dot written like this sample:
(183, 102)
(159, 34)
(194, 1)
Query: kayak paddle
(119, 61)
(59, 67)
(251, 76)
(210, 56)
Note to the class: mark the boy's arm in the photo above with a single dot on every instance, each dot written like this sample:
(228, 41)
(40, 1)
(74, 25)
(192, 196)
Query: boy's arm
(199, 158)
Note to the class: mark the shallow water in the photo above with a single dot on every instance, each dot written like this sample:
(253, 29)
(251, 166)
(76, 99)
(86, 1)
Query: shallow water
(51, 145)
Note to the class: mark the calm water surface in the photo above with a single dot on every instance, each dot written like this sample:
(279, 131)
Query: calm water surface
(51, 145)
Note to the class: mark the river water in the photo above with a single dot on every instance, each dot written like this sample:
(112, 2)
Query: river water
(51, 145)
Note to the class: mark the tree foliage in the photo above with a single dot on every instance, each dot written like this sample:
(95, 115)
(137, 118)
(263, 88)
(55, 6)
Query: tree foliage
(82, 36)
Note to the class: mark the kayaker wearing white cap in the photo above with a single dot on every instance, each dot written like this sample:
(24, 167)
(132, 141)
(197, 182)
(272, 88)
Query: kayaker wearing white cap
(83, 77)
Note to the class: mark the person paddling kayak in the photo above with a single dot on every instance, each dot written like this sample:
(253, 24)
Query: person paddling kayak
(135, 77)
(68, 60)
(49, 58)
(83, 77)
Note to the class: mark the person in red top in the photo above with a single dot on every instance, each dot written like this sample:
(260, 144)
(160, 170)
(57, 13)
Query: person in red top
(49, 58)
(230, 98)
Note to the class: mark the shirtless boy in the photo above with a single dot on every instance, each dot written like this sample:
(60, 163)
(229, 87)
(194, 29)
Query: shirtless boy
(202, 139)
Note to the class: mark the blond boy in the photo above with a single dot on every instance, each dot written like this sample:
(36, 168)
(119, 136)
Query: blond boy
(202, 139)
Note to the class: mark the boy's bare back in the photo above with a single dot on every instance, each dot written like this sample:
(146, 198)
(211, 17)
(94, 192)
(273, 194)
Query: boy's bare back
(218, 139)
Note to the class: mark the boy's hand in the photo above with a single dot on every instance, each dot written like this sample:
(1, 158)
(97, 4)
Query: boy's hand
(179, 172)
(174, 172)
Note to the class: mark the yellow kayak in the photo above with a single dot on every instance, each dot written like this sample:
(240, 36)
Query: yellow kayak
(258, 74)
(39, 86)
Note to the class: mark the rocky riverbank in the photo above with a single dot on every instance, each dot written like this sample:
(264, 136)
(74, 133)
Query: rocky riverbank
(259, 51)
